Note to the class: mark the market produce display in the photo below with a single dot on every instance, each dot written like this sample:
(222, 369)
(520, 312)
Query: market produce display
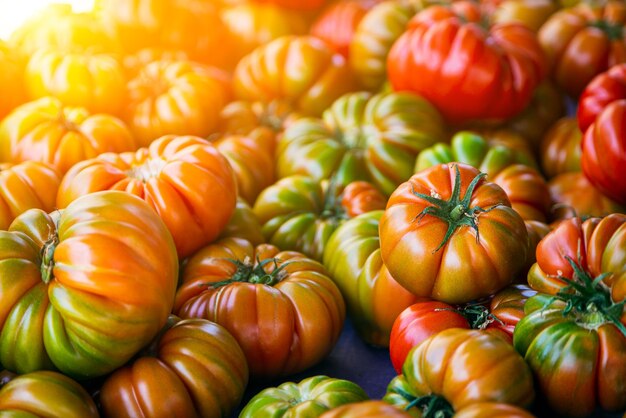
(313, 208)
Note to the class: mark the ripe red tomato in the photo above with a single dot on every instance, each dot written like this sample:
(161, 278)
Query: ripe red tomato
(599, 93)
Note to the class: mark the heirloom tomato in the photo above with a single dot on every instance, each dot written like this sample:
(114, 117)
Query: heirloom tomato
(47, 131)
(449, 235)
(308, 399)
(373, 298)
(93, 81)
(26, 186)
(299, 213)
(426, 318)
(11, 80)
(293, 312)
(45, 394)
(244, 224)
(84, 289)
(605, 88)
(300, 70)
(194, 368)
(175, 97)
(536, 231)
(560, 148)
(492, 410)
(504, 165)
(583, 41)
(362, 137)
(457, 368)
(135, 62)
(366, 409)
(184, 179)
(531, 13)
(360, 197)
(241, 117)
(574, 334)
(466, 71)
(574, 195)
(603, 156)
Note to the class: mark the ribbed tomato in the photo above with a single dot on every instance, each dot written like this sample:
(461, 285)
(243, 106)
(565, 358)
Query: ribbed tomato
(175, 176)
(605, 88)
(47, 131)
(84, 289)
(560, 148)
(194, 368)
(293, 311)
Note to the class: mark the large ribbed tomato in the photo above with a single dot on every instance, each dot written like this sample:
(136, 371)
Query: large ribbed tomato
(574, 334)
(583, 41)
(175, 97)
(599, 93)
(457, 230)
(466, 71)
(178, 176)
(603, 156)
(281, 307)
(26, 186)
(45, 394)
(84, 289)
(300, 70)
(93, 81)
(194, 368)
(11, 80)
(362, 137)
(47, 131)
(373, 298)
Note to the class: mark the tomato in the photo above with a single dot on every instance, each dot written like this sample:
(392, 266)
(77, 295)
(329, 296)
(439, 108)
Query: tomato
(300, 70)
(135, 62)
(241, 117)
(174, 176)
(93, 81)
(603, 156)
(360, 197)
(457, 230)
(293, 311)
(560, 148)
(527, 191)
(45, 393)
(362, 137)
(467, 72)
(492, 410)
(194, 368)
(583, 41)
(244, 224)
(373, 298)
(427, 317)
(605, 88)
(574, 195)
(574, 337)
(337, 24)
(85, 288)
(47, 131)
(302, 5)
(25, 186)
(531, 13)
(536, 231)
(310, 398)
(366, 409)
(252, 160)
(298, 213)
(175, 97)
(486, 369)
(11, 80)
(193, 26)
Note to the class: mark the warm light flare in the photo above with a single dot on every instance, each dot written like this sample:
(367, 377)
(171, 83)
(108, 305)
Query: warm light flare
(13, 13)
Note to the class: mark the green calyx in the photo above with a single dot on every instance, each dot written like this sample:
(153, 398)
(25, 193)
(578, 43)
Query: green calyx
(47, 258)
(478, 316)
(332, 209)
(589, 300)
(455, 211)
(248, 272)
(432, 406)
(612, 31)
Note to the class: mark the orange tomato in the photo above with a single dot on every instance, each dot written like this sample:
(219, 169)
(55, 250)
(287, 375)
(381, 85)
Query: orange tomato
(11, 80)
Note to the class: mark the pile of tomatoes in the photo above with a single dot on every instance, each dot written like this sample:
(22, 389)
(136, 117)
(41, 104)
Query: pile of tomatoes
(194, 195)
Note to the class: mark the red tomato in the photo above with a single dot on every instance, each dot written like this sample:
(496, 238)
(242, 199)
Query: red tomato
(603, 89)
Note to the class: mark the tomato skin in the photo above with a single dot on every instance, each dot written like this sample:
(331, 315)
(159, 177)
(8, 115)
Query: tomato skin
(604, 89)
(302, 5)
(286, 327)
(360, 197)
(603, 156)
(244, 224)
(531, 13)
(407, 244)
(438, 40)
(366, 409)
(492, 410)
(25, 186)
(196, 365)
(11, 80)
(172, 175)
(45, 393)
(311, 397)
(47, 131)
(110, 287)
(560, 148)
(373, 298)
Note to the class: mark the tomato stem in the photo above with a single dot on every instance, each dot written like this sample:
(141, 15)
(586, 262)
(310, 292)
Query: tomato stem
(254, 273)
(432, 406)
(47, 258)
(613, 32)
